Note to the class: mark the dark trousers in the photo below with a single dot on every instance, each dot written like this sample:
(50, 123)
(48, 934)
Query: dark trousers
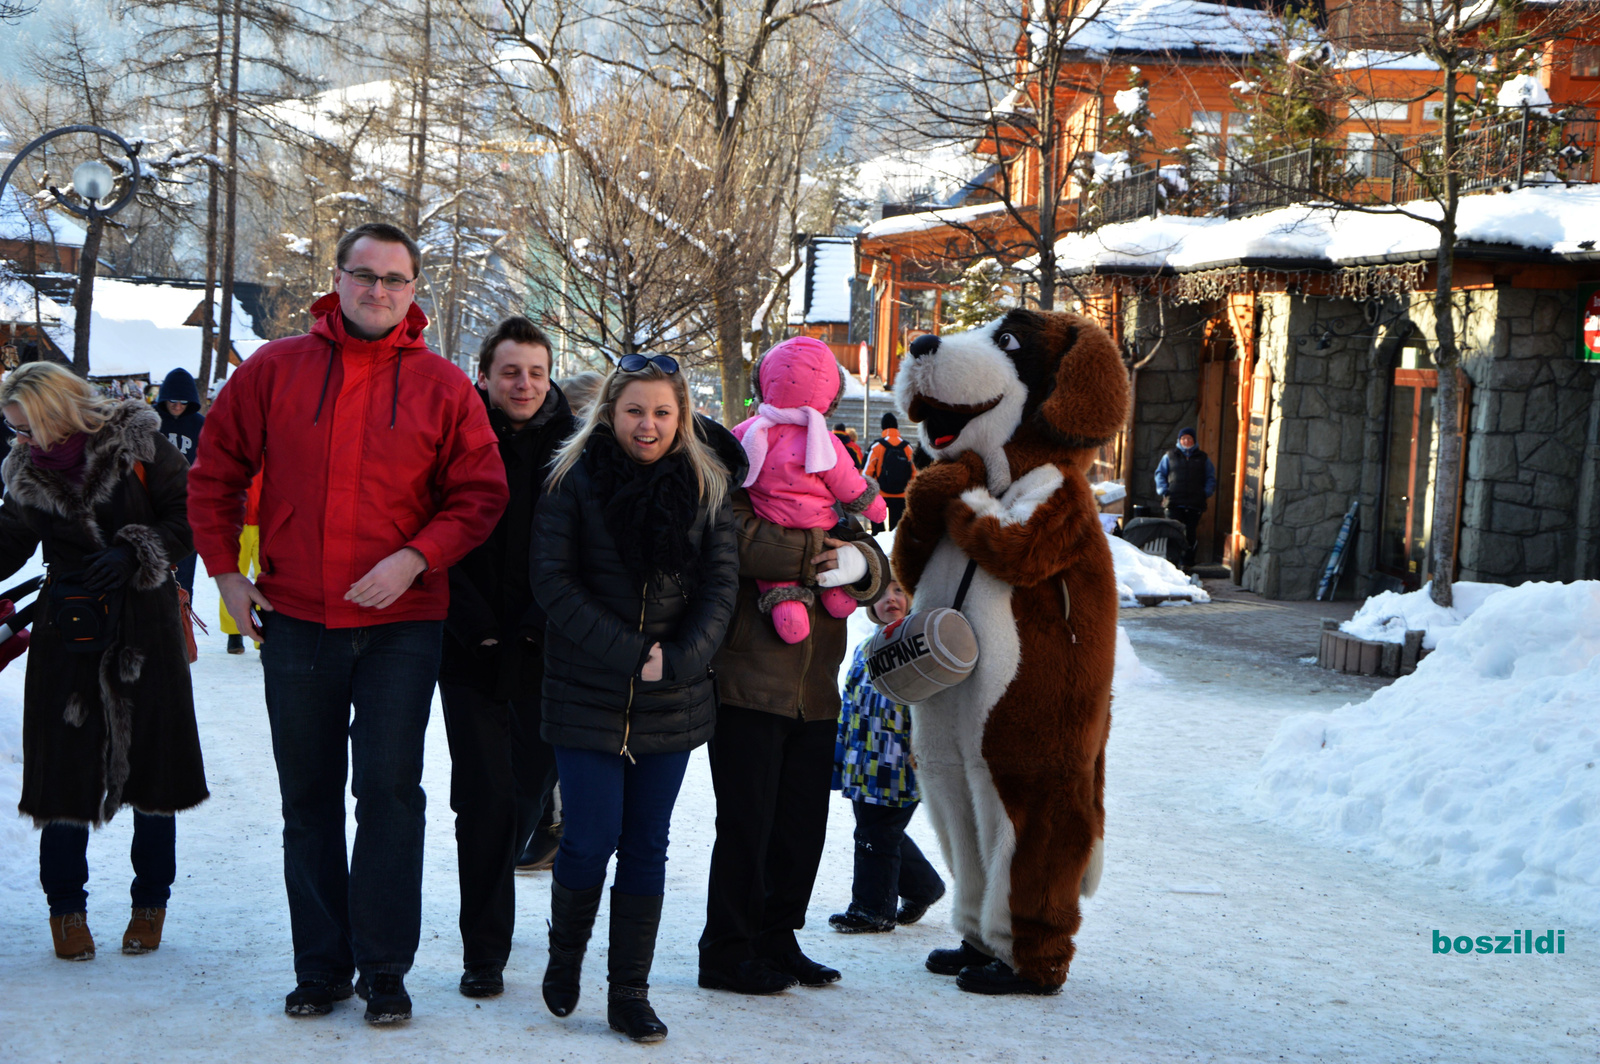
(1190, 516)
(185, 573)
(64, 863)
(897, 509)
(366, 912)
(772, 777)
(612, 805)
(501, 776)
(889, 864)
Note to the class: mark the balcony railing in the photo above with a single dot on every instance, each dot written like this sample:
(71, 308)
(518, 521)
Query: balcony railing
(1139, 195)
(1527, 149)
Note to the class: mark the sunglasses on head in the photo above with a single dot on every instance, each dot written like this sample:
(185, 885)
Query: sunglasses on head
(635, 363)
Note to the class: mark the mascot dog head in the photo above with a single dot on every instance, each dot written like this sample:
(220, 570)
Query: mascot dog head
(1031, 381)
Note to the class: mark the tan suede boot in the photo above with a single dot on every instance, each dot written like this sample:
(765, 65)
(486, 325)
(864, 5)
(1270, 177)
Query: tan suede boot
(72, 938)
(144, 930)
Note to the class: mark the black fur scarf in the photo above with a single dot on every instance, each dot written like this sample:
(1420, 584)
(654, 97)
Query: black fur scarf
(649, 509)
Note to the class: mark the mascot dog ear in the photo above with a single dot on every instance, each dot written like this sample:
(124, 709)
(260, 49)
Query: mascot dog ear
(1088, 404)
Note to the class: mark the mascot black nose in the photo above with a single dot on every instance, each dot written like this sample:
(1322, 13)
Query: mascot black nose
(924, 345)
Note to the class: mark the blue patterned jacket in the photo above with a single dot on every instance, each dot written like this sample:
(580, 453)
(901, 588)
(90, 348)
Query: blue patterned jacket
(872, 755)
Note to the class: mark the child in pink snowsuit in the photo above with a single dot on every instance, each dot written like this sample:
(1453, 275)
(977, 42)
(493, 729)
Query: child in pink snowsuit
(798, 468)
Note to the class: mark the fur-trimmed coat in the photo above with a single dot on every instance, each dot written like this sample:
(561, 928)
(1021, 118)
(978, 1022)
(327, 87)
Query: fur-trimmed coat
(103, 731)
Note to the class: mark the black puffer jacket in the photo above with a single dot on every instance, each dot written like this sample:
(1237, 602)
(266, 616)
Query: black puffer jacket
(603, 616)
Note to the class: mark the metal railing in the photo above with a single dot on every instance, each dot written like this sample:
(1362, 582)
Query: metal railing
(1139, 195)
(1530, 148)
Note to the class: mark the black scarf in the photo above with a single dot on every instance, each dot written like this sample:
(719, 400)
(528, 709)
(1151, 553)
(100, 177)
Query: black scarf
(648, 509)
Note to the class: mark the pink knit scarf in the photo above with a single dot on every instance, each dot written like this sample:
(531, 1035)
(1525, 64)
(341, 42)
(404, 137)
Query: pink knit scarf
(820, 454)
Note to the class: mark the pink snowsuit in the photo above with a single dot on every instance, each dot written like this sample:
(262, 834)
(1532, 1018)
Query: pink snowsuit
(798, 468)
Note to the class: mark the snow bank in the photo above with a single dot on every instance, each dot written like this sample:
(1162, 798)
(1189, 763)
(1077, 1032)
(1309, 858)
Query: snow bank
(1481, 763)
(139, 328)
(1139, 573)
(1386, 617)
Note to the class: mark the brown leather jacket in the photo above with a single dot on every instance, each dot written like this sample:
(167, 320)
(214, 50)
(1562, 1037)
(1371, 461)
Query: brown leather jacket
(756, 669)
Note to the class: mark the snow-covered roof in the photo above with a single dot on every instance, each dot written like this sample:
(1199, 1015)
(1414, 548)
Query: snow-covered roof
(138, 328)
(820, 292)
(23, 219)
(1553, 219)
(1105, 26)
(1372, 59)
(926, 221)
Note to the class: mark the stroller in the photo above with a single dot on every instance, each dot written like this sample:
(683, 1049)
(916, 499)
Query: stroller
(14, 620)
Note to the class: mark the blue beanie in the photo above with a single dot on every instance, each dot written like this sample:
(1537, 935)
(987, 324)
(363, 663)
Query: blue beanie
(1187, 432)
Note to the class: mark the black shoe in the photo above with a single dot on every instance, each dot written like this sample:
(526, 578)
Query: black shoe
(628, 1011)
(951, 961)
(482, 980)
(757, 976)
(635, 919)
(912, 911)
(236, 644)
(571, 921)
(315, 997)
(386, 998)
(854, 921)
(539, 855)
(996, 977)
(803, 968)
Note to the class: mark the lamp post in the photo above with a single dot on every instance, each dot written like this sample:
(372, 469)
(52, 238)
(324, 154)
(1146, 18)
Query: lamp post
(93, 181)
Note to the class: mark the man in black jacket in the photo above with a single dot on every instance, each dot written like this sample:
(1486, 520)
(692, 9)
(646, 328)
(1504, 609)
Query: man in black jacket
(178, 403)
(502, 773)
(1185, 479)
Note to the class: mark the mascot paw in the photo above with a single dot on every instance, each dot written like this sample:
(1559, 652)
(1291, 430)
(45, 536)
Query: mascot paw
(1020, 502)
(838, 602)
(791, 621)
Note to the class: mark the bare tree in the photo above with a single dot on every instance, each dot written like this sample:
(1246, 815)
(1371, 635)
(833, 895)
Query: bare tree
(748, 76)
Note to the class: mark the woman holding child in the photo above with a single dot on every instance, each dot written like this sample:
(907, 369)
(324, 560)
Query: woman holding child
(637, 569)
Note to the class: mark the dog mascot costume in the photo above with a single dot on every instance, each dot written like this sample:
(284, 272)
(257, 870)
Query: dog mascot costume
(1012, 761)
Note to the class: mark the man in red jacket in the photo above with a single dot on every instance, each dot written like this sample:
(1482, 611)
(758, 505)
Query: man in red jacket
(379, 472)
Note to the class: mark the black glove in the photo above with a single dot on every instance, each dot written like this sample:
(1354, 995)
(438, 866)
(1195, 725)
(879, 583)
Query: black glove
(110, 569)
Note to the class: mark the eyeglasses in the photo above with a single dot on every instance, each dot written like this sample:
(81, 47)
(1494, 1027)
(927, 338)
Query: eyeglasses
(635, 363)
(366, 279)
(26, 434)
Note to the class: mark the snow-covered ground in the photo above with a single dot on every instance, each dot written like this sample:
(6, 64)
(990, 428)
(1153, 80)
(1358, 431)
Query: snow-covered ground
(1480, 765)
(1216, 934)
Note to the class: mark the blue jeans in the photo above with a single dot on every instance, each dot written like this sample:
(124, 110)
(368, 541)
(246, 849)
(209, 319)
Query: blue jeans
(64, 863)
(366, 914)
(611, 805)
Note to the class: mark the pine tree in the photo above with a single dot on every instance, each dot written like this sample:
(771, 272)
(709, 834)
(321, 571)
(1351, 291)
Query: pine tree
(985, 294)
(1292, 93)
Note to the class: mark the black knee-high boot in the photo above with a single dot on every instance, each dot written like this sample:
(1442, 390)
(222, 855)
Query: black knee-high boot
(571, 921)
(634, 922)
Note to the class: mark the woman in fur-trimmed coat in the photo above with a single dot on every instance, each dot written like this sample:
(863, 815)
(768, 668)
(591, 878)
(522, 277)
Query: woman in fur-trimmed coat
(114, 728)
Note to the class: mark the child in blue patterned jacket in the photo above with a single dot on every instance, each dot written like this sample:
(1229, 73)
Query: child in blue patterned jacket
(872, 767)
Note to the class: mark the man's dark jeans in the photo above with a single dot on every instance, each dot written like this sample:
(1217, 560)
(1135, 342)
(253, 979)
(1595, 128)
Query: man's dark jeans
(366, 914)
(889, 864)
(771, 776)
(1190, 518)
(64, 863)
(501, 776)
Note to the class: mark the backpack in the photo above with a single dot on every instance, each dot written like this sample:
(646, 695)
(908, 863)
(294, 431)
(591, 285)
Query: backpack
(895, 470)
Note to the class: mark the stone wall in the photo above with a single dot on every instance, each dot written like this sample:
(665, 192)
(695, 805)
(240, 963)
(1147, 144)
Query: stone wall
(1531, 489)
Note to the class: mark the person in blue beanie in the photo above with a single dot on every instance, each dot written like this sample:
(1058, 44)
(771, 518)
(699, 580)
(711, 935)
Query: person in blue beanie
(1186, 479)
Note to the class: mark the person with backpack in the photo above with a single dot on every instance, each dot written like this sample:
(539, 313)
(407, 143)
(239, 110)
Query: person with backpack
(889, 462)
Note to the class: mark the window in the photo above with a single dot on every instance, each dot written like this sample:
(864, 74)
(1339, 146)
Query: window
(1207, 143)
(1372, 156)
(1586, 61)
(1416, 10)
(1239, 136)
(1433, 111)
(917, 309)
(1379, 110)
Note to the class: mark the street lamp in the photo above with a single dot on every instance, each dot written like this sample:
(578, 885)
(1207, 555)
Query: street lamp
(93, 181)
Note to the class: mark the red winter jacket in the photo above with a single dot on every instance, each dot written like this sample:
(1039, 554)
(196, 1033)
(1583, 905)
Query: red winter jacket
(366, 447)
